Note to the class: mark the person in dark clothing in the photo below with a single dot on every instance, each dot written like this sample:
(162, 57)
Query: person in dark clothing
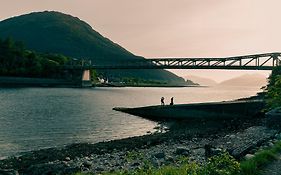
(162, 101)
(172, 101)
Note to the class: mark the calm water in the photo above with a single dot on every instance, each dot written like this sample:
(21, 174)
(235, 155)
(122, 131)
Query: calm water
(34, 118)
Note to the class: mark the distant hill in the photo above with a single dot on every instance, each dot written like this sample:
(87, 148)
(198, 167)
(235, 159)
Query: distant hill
(201, 80)
(246, 80)
(55, 32)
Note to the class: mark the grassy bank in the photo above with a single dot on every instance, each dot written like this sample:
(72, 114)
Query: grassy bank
(261, 159)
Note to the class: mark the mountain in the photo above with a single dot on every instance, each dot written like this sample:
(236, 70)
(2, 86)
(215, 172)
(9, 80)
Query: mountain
(246, 80)
(55, 32)
(201, 80)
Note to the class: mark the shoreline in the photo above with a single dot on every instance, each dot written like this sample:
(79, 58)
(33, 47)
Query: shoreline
(192, 139)
(148, 85)
(239, 137)
(14, 82)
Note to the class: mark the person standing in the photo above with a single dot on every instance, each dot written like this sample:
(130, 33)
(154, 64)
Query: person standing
(172, 101)
(162, 101)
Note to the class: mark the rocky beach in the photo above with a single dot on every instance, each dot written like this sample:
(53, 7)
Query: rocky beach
(168, 146)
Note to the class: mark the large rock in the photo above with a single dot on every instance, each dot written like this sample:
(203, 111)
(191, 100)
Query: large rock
(273, 118)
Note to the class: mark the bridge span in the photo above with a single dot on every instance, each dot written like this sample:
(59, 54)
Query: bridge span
(266, 61)
(79, 69)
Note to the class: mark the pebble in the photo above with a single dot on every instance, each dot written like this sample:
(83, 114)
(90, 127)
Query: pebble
(249, 156)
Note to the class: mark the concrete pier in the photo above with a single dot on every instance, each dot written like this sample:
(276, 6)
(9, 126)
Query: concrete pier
(199, 111)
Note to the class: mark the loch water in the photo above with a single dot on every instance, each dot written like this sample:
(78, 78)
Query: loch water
(36, 118)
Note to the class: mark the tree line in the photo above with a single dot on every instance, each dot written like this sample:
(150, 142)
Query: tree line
(16, 60)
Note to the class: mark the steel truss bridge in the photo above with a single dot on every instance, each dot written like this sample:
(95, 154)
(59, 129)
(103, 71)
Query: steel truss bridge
(265, 61)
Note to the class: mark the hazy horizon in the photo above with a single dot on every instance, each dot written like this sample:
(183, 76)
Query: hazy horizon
(182, 28)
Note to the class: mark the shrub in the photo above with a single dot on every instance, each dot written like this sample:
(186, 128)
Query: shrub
(223, 164)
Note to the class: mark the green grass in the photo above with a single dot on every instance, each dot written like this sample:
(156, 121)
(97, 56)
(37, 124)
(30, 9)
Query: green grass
(261, 159)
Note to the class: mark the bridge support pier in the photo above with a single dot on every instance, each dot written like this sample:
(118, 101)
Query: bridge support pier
(78, 77)
(86, 78)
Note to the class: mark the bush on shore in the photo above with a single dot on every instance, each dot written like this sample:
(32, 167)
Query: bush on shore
(273, 95)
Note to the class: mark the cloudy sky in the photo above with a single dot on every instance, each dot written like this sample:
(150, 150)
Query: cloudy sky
(175, 28)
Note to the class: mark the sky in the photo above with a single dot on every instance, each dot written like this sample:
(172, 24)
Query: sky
(175, 28)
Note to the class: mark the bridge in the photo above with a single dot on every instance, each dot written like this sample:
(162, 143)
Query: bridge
(266, 61)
